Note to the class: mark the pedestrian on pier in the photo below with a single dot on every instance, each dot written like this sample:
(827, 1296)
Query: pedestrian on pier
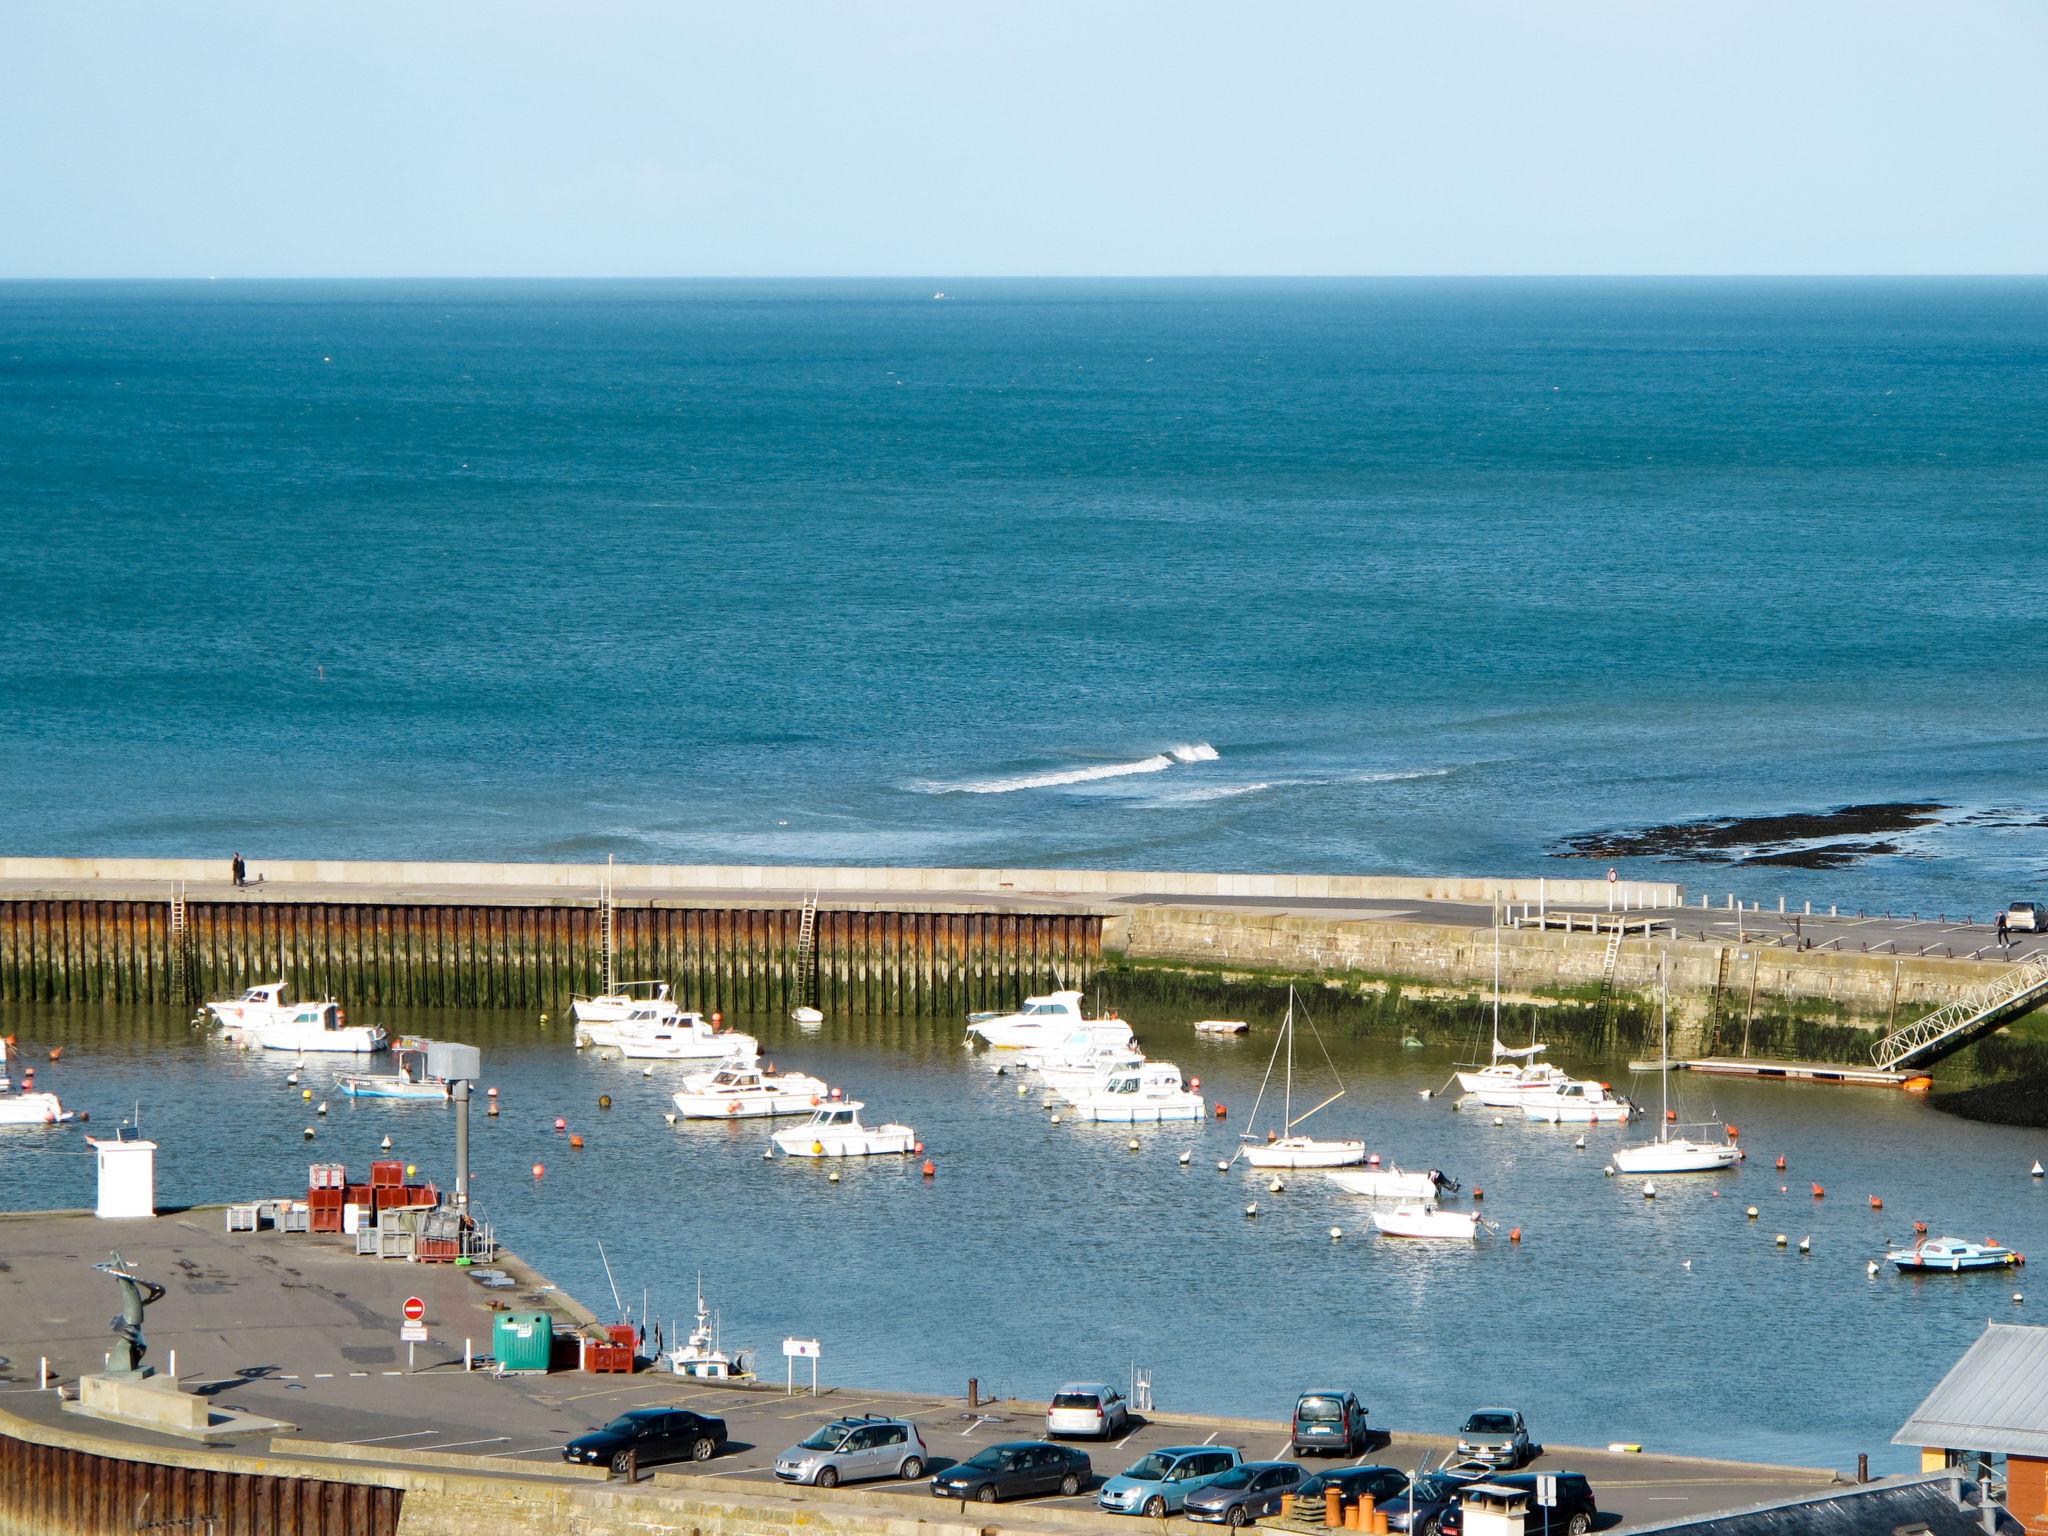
(241, 872)
(2004, 932)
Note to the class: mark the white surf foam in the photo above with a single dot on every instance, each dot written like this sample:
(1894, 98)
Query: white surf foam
(1054, 778)
(1204, 793)
(1400, 775)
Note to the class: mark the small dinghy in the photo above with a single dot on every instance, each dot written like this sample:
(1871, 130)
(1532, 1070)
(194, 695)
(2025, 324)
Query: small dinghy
(1390, 1183)
(834, 1130)
(410, 1081)
(1425, 1219)
(1222, 1027)
(806, 1018)
(1953, 1255)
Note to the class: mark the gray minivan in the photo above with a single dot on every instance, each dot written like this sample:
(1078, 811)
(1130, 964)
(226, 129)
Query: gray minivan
(851, 1449)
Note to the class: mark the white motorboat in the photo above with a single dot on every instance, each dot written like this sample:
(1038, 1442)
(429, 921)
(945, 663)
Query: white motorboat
(702, 1354)
(269, 1003)
(1578, 1102)
(690, 1037)
(637, 1002)
(1150, 1091)
(1391, 1183)
(740, 1090)
(806, 1018)
(1089, 1074)
(834, 1130)
(1673, 1153)
(1953, 1256)
(1290, 1149)
(1426, 1219)
(1041, 1021)
(1221, 1027)
(1086, 1057)
(410, 1081)
(308, 1028)
(30, 1107)
(1512, 1076)
(1096, 1037)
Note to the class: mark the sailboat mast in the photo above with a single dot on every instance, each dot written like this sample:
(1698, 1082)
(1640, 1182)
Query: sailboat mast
(1496, 978)
(1287, 1091)
(1663, 1053)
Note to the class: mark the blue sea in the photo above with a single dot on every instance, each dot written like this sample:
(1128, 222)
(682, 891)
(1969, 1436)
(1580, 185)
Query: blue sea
(1334, 576)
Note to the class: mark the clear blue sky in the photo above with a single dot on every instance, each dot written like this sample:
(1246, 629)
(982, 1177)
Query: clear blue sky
(769, 137)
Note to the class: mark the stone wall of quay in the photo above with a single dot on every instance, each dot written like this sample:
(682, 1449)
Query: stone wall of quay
(1707, 979)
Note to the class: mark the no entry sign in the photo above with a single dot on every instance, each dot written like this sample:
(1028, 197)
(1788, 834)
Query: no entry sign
(415, 1310)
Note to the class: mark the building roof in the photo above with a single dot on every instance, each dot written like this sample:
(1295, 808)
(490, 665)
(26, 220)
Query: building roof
(1889, 1507)
(1993, 1399)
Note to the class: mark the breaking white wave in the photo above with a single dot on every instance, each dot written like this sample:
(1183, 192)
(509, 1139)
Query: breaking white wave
(1397, 776)
(1204, 793)
(1159, 762)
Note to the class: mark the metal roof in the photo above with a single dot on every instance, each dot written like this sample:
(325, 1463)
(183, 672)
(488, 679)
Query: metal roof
(1993, 1399)
(1888, 1508)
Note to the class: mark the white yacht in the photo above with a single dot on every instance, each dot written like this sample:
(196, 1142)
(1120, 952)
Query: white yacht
(1512, 1075)
(27, 1107)
(265, 1004)
(307, 1028)
(688, 1037)
(1290, 1149)
(1577, 1103)
(1041, 1021)
(740, 1090)
(834, 1130)
(1086, 1057)
(1670, 1152)
(640, 1002)
(1150, 1091)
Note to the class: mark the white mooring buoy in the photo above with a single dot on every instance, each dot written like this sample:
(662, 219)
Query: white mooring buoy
(1252, 1209)
(1336, 1233)
(1185, 1158)
(1649, 1190)
(1276, 1187)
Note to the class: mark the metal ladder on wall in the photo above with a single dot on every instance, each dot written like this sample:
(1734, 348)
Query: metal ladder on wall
(607, 925)
(1607, 976)
(806, 953)
(180, 985)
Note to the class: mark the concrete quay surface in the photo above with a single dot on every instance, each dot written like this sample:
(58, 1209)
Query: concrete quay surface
(298, 1329)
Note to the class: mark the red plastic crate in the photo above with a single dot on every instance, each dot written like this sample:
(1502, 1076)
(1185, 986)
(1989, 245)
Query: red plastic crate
(601, 1359)
(623, 1333)
(324, 1220)
(387, 1172)
(438, 1250)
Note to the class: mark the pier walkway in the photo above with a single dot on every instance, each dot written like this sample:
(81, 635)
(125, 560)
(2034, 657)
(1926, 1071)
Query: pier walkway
(299, 1330)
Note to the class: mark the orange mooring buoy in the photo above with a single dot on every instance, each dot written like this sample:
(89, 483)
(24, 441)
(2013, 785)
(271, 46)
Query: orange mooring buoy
(930, 1168)
(575, 1141)
(1222, 1113)
(1781, 1162)
(539, 1169)
(1514, 1234)
(1818, 1191)
(1877, 1202)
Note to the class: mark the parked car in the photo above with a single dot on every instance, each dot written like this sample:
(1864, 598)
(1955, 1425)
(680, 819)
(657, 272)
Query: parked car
(1088, 1408)
(1329, 1420)
(2027, 916)
(850, 1449)
(1380, 1484)
(1420, 1510)
(655, 1434)
(1158, 1484)
(1496, 1436)
(1572, 1515)
(1242, 1496)
(1015, 1469)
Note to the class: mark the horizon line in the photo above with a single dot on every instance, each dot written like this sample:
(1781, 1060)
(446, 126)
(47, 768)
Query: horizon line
(1018, 277)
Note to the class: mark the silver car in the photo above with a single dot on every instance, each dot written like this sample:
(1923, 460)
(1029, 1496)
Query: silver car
(852, 1449)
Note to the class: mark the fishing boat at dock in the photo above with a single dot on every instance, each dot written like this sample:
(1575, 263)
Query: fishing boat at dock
(702, 1355)
(1953, 1256)
(835, 1130)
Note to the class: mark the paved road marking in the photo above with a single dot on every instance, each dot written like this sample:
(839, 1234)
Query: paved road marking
(410, 1434)
(323, 1375)
(1212, 1437)
(488, 1440)
(531, 1451)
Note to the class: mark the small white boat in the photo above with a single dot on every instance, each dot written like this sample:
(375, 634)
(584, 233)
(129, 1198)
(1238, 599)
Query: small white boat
(1221, 1027)
(637, 1002)
(807, 1018)
(1426, 1219)
(1289, 1149)
(410, 1081)
(266, 1004)
(834, 1130)
(1041, 1021)
(1085, 1059)
(1671, 1153)
(33, 1108)
(690, 1037)
(1095, 1038)
(1577, 1103)
(310, 1027)
(740, 1090)
(1390, 1183)
(703, 1356)
(1150, 1091)
(1953, 1256)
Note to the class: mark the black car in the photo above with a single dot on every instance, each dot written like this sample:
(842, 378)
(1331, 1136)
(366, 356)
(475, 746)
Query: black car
(1379, 1484)
(1015, 1469)
(1420, 1509)
(1572, 1515)
(656, 1434)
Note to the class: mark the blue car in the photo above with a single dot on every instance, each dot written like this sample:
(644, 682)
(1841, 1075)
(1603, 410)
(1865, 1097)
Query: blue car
(1158, 1484)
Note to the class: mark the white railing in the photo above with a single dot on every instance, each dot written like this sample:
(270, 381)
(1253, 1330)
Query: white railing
(2017, 986)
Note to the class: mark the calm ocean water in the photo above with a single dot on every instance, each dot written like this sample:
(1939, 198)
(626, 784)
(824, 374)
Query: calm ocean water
(1320, 576)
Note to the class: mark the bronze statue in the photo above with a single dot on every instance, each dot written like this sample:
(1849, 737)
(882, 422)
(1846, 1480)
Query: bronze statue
(125, 1360)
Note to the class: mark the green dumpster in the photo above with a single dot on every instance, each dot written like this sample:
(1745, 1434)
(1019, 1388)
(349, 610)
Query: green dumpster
(523, 1341)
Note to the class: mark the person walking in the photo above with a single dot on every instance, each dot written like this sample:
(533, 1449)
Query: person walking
(2004, 932)
(241, 872)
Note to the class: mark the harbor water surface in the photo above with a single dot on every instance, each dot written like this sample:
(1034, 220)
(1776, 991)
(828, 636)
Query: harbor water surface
(1041, 1251)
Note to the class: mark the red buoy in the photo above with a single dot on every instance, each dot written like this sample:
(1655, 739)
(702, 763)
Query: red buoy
(1514, 1234)
(1818, 1191)
(930, 1168)
(1877, 1202)
(1222, 1113)
(561, 1124)
(1781, 1162)
(539, 1169)
(575, 1141)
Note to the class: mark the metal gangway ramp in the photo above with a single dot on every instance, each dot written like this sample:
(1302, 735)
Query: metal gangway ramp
(1954, 1025)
